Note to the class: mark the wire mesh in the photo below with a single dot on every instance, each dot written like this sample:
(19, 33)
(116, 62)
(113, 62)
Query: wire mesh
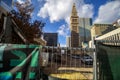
(68, 63)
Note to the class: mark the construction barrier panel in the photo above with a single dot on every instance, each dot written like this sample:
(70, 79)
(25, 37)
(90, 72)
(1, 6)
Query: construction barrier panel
(108, 62)
(19, 62)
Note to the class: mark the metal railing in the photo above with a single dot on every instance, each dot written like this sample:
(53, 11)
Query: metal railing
(110, 38)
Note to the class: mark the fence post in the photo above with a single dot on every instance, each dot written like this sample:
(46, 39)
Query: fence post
(95, 61)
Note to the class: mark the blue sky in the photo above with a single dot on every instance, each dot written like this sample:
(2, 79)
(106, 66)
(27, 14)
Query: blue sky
(56, 13)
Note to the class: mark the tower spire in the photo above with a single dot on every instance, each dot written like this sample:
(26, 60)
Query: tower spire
(74, 11)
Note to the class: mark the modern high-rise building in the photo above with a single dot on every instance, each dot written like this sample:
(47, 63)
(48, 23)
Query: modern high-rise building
(68, 41)
(84, 29)
(51, 39)
(74, 28)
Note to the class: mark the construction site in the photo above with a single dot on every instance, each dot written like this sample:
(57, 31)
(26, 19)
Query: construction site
(22, 58)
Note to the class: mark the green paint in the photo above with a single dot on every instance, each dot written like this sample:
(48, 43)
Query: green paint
(27, 57)
(25, 46)
(6, 76)
(19, 46)
(19, 75)
(22, 56)
(1, 54)
(32, 75)
(22, 63)
(33, 46)
(34, 61)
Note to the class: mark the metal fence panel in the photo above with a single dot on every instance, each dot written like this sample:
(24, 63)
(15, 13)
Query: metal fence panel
(66, 63)
(108, 62)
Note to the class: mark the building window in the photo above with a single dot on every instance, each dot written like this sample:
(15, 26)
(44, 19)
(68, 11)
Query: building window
(74, 20)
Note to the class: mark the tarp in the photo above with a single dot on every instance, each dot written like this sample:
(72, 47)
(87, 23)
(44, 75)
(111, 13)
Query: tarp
(108, 58)
(19, 62)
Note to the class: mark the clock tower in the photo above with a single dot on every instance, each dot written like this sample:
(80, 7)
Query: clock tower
(74, 28)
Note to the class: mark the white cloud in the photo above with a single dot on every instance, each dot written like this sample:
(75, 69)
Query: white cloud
(23, 2)
(56, 9)
(61, 9)
(86, 10)
(109, 12)
(20, 1)
(63, 30)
